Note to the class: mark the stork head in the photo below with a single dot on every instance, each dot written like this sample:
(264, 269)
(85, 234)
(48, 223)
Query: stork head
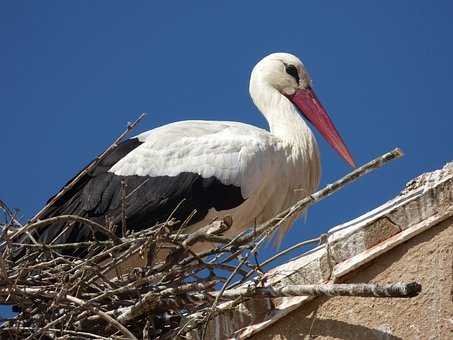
(285, 73)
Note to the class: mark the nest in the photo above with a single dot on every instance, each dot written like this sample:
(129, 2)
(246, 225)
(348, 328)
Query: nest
(100, 295)
(65, 294)
(177, 293)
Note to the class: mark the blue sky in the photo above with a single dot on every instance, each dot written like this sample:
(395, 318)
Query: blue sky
(74, 72)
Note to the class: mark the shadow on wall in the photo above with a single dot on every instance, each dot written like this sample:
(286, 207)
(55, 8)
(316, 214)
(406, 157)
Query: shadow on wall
(342, 330)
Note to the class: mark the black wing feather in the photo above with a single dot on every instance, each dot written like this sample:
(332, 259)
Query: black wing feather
(150, 200)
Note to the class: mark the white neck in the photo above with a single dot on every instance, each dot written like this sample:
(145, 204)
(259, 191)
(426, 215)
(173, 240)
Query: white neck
(284, 120)
(286, 123)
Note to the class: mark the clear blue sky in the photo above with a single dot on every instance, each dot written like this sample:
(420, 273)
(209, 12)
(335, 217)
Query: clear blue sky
(72, 73)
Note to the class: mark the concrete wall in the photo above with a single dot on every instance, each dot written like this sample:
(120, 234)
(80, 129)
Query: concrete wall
(426, 258)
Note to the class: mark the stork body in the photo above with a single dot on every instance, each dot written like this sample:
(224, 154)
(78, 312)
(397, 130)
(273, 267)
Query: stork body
(216, 168)
(253, 173)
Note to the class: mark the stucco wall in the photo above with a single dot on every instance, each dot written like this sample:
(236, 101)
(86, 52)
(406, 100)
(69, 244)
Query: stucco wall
(426, 258)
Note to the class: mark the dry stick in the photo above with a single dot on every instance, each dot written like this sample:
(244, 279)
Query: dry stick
(197, 318)
(225, 285)
(276, 256)
(134, 248)
(65, 245)
(394, 290)
(287, 250)
(90, 167)
(34, 332)
(138, 187)
(207, 233)
(100, 256)
(62, 218)
(50, 324)
(103, 315)
(227, 282)
(152, 299)
(123, 207)
(269, 227)
(13, 221)
(10, 214)
(402, 290)
(204, 233)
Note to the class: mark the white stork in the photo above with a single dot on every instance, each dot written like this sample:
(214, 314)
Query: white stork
(214, 167)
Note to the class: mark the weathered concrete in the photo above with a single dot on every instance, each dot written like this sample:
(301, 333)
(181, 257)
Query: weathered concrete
(426, 258)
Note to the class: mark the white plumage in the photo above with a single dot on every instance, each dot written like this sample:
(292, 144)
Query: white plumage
(234, 153)
(271, 172)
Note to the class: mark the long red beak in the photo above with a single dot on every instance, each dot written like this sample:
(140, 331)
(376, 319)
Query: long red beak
(310, 106)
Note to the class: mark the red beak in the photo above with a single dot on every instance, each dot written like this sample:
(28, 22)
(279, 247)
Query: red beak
(310, 106)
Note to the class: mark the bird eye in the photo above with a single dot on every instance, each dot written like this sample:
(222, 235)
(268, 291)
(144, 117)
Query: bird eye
(292, 71)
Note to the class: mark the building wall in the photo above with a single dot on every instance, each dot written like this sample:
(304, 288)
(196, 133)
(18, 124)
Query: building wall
(426, 258)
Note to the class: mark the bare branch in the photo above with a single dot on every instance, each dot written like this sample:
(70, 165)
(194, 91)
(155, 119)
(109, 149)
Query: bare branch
(103, 315)
(401, 290)
(64, 218)
(123, 207)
